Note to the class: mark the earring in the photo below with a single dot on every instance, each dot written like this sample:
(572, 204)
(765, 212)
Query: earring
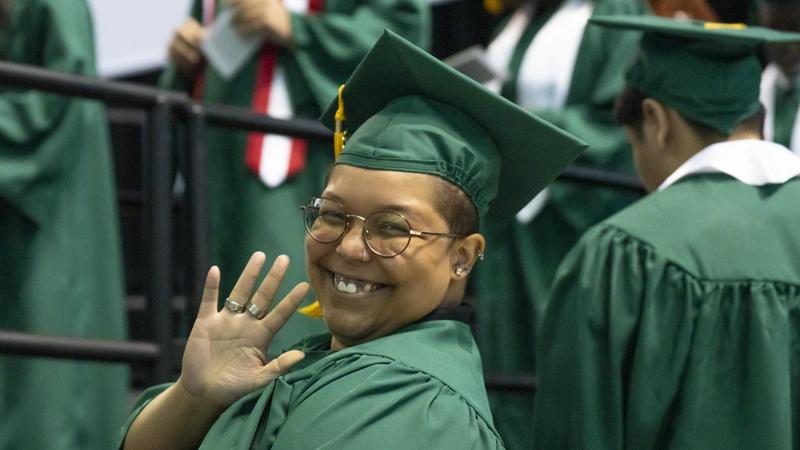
(459, 271)
(480, 256)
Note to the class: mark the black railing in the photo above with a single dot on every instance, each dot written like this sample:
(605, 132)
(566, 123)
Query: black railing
(162, 108)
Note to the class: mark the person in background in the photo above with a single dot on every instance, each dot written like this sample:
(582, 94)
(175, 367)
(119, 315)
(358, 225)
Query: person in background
(60, 257)
(256, 180)
(550, 63)
(673, 324)
(391, 241)
(780, 82)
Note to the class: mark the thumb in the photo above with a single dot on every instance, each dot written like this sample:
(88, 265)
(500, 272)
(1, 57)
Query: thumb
(281, 365)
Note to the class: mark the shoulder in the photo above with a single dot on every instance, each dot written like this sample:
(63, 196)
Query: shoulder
(442, 353)
(715, 227)
(372, 391)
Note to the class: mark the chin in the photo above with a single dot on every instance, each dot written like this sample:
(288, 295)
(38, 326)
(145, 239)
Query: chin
(347, 328)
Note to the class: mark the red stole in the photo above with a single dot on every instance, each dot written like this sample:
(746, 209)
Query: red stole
(273, 158)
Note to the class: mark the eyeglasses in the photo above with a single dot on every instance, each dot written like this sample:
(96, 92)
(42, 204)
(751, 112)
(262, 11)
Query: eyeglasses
(386, 233)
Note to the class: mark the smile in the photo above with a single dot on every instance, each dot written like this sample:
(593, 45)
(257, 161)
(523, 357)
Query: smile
(352, 286)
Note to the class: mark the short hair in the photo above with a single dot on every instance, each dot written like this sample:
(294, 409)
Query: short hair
(456, 208)
(628, 112)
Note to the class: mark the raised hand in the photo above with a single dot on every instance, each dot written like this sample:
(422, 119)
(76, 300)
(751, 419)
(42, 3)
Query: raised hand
(268, 17)
(184, 49)
(225, 356)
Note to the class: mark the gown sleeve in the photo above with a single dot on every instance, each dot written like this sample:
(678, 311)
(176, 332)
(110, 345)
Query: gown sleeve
(171, 77)
(635, 351)
(389, 406)
(328, 46)
(37, 129)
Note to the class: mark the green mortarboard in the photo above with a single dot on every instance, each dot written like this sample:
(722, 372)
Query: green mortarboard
(407, 111)
(707, 71)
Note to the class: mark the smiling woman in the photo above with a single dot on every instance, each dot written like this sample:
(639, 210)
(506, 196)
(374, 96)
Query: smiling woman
(389, 244)
(371, 281)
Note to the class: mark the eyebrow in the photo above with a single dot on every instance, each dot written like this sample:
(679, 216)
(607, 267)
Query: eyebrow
(402, 209)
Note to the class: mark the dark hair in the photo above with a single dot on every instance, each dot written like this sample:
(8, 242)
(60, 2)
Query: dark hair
(628, 112)
(457, 209)
(628, 108)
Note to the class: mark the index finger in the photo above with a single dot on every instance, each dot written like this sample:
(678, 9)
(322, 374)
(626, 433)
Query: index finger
(208, 304)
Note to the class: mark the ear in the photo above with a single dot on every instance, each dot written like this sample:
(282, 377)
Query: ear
(656, 122)
(463, 255)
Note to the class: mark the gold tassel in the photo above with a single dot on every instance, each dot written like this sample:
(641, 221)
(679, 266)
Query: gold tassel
(339, 134)
(494, 7)
(313, 310)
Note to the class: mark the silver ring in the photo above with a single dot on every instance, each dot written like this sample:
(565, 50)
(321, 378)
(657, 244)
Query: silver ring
(234, 306)
(255, 311)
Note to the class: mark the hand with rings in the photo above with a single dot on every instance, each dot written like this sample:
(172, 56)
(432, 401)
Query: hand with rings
(225, 356)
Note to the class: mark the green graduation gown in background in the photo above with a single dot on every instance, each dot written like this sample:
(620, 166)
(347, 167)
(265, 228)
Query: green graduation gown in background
(674, 324)
(419, 388)
(512, 283)
(245, 214)
(60, 261)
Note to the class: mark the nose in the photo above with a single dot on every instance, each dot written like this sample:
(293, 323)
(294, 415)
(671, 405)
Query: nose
(351, 245)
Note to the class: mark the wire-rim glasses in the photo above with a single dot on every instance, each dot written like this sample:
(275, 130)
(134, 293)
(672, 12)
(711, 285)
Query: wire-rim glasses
(386, 233)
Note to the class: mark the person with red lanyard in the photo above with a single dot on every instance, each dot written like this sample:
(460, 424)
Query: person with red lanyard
(257, 181)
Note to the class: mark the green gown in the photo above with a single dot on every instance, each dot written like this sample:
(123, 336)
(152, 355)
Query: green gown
(60, 260)
(512, 283)
(674, 324)
(246, 215)
(421, 387)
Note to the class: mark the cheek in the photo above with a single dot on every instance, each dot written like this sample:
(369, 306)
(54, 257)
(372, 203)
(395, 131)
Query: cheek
(314, 252)
(426, 274)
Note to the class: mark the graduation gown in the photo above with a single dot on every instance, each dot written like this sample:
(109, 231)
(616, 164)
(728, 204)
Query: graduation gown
(674, 323)
(421, 387)
(60, 261)
(246, 215)
(513, 281)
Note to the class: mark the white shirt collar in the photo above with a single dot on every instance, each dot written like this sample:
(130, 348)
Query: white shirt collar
(750, 161)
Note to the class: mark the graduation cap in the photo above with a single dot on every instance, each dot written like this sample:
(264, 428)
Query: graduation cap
(707, 71)
(404, 110)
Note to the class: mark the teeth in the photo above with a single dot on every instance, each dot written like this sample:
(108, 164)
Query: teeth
(352, 286)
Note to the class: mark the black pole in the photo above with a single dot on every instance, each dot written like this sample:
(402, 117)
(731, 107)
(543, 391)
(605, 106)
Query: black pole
(30, 77)
(32, 345)
(602, 178)
(197, 205)
(158, 231)
(246, 120)
(510, 383)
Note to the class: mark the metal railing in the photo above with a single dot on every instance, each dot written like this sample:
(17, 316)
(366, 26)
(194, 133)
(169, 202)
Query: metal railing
(162, 108)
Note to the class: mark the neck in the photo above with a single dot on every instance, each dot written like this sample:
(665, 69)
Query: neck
(685, 142)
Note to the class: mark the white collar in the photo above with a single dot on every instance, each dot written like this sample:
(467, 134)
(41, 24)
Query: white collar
(750, 161)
